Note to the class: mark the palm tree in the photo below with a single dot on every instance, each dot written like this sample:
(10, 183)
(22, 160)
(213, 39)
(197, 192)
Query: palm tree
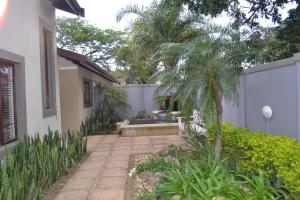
(194, 60)
(203, 77)
(158, 24)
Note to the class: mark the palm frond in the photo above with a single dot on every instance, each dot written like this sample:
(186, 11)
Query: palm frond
(130, 9)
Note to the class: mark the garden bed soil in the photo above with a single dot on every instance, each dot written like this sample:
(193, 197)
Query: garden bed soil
(50, 193)
(147, 179)
(131, 184)
(129, 189)
(136, 182)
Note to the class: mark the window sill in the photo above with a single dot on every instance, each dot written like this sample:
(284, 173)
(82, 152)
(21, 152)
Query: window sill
(49, 113)
(87, 106)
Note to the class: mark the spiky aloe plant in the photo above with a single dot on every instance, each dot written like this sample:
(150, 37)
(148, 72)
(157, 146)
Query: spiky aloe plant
(36, 164)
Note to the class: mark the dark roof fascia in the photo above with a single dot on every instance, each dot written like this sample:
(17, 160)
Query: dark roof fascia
(109, 76)
(99, 71)
(84, 62)
(71, 6)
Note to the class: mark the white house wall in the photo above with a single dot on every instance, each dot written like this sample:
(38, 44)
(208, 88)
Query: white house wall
(73, 111)
(20, 35)
(69, 95)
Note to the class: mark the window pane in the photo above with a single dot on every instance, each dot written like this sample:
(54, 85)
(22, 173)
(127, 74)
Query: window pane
(87, 93)
(7, 104)
(47, 58)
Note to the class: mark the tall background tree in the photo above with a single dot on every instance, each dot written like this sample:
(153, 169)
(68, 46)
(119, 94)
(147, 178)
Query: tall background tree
(276, 41)
(132, 64)
(250, 10)
(87, 39)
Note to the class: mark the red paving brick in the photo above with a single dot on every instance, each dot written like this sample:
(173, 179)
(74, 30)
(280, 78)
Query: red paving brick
(105, 194)
(103, 175)
(72, 195)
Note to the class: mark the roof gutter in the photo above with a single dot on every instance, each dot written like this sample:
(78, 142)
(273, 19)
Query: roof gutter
(104, 73)
(83, 61)
(70, 6)
(76, 7)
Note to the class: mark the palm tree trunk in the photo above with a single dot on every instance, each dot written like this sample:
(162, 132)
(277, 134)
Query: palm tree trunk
(218, 145)
(218, 101)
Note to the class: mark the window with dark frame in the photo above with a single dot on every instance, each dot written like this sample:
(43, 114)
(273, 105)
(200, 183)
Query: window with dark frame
(87, 93)
(8, 130)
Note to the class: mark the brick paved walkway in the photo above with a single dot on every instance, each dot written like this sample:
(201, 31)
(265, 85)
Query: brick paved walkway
(104, 173)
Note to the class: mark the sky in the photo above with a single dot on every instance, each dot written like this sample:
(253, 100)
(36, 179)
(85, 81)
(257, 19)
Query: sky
(103, 13)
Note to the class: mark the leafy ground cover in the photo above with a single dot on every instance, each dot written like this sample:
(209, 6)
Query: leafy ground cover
(194, 173)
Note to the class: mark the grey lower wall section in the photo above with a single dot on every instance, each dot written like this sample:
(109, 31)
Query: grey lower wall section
(139, 97)
(278, 89)
(276, 84)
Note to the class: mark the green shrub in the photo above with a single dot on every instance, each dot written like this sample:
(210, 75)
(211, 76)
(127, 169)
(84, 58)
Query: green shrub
(106, 115)
(99, 124)
(36, 164)
(277, 156)
(142, 115)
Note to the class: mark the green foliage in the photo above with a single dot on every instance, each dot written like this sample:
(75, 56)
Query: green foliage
(132, 63)
(261, 188)
(248, 13)
(160, 100)
(263, 45)
(199, 175)
(87, 39)
(204, 68)
(177, 152)
(99, 124)
(291, 26)
(114, 99)
(155, 164)
(141, 115)
(106, 115)
(159, 24)
(251, 45)
(36, 164)
(277, 156)
(145, 195)
(209, 178)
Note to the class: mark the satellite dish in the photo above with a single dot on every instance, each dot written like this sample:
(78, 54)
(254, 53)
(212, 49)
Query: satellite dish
(267, 112)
